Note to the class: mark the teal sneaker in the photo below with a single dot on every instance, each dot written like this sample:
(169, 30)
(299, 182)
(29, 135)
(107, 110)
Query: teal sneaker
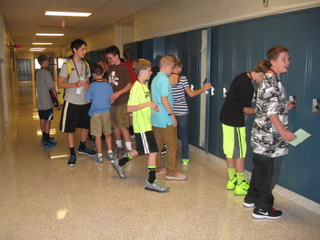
(242, 189)
(231, 185)
(185, 162)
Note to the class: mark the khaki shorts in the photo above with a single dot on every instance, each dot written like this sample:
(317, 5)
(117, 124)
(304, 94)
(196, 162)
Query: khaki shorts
(100, 123)
(120, 116)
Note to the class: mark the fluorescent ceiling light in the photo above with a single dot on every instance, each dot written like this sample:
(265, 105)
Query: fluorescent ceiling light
(50, 34)
(36, 50)
(67, 14)
(43, 43)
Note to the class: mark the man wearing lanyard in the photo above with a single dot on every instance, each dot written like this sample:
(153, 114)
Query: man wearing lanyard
(75, 110)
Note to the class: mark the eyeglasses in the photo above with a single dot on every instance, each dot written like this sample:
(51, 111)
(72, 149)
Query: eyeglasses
(110, 58)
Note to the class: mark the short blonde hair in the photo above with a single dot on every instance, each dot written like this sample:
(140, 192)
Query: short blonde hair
(140, 64)
(166, 61)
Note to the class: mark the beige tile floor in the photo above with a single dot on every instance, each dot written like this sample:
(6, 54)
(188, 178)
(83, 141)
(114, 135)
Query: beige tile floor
(42, 198)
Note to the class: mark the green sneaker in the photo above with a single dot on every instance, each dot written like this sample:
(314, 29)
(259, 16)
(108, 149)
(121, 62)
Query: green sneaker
(185, 161)
(231, 185)
(242, 189)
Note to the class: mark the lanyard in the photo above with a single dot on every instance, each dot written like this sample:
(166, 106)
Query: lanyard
(75, 66)
(273, 71)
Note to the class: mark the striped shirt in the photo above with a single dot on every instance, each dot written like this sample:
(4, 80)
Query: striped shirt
(179, 97)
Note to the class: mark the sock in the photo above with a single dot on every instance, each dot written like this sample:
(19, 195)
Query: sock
(128, 146)
(43, 134)
(240, 177)
(46, 137)
(109, 151)
(72, 152)
(82, 145)
(231, 173)
(152, 173)
(124, 160)
(100, 154)
(128, 156)
(119, 143)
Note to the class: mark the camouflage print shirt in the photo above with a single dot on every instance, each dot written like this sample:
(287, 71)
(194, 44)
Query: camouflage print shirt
(271, 99)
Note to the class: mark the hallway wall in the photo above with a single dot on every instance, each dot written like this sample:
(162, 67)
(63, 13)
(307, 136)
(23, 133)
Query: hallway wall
(174, 16)
(8, 78)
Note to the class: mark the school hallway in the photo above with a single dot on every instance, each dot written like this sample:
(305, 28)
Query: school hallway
(43, 198)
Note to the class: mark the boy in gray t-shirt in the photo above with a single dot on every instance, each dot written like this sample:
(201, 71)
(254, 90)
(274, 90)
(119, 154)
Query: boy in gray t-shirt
(44, 85)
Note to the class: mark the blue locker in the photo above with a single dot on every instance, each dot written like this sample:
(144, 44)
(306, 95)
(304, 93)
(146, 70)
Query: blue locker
(256, 51)
(276, 31)
(172, 43)
(139, 50)
(295, 86)
(241, 55)
(310, 164)
(193, 40)
(147, 49)
(221, 73)
(257, 41)
(158, 50)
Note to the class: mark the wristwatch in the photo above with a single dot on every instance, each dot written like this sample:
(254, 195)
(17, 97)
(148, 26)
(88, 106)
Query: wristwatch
(170, 114)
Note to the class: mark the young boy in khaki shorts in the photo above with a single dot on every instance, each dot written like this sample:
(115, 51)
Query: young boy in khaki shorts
(99, 95)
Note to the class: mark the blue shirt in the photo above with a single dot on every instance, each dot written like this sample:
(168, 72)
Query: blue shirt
(161, 87)
(99, 94)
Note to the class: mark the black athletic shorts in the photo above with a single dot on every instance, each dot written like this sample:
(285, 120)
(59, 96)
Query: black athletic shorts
(74, 116)
(46, 114)
(146, 143)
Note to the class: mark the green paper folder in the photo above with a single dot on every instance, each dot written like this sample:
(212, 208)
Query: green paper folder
(301, 136)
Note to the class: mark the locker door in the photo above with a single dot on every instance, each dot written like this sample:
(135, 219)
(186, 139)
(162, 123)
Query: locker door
(257, 51)
(222, 61)
(241, 55)
(158, 50)
(172, 43)
(147, 50)
(276, 31)
(310, 177)
(295, 86)
(257, 41)
(194, 61)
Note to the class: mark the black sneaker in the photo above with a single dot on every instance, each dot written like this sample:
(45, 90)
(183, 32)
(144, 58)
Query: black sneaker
(87, 151)
(50, 138)
(49, 143)
(72, 161)
(270, 214)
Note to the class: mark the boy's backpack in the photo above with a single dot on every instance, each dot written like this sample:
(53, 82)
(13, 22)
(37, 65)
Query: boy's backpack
(60, 94)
